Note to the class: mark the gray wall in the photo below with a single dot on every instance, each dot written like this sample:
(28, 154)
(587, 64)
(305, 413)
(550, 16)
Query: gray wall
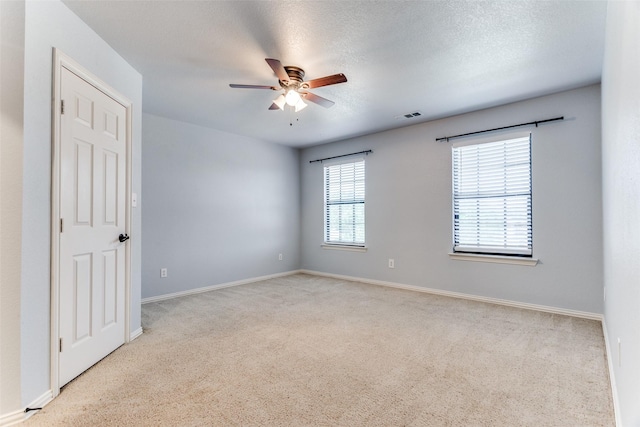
(408, 207)
(11, 145)
(217, 207)
(621, 201)
(47, 25)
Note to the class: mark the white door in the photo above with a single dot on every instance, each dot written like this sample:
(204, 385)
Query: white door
(92, 210)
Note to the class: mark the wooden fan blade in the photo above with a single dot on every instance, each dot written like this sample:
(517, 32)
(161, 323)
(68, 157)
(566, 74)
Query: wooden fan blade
(233, 85)
(277, 68)
(326, 81)
(324, 102)
(274, 107)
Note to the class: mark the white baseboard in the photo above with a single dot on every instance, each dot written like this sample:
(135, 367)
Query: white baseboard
(214, 287)
(40, 402)
(135, 334)
(19, 416)
(612, 377)
(536, 307)
(12, 418)
(527, 306)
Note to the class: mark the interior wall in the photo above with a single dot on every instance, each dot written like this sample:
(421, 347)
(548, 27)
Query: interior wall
(621, 202)
(408, 206)
(218, 207)
(11, 145)
(51, 24)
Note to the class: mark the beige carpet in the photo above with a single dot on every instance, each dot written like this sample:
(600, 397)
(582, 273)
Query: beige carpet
(311, 351)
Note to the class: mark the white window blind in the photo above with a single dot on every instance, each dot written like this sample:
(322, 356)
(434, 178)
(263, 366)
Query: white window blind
(344, 203)
(492, 197)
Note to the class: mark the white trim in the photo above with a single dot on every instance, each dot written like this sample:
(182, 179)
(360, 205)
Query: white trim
(17, 417)
(128, 220)
(508, 303)
(499, 259)
(12, 418)
(612, 377)
(61, 60)
(344, 247)
(326, 184)
(135, 334)
(483, 250)
(55, 221)
(216, 287)
(40, 402)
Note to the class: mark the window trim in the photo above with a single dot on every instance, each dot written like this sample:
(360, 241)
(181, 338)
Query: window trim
(504, 256)
(352, 246)
(496, 259)
(344, 247)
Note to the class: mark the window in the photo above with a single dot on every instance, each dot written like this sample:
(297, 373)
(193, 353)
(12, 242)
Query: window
(344, 203)
(492, 198)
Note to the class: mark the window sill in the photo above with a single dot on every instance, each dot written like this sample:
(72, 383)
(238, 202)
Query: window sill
(345, 248)
(499, 259)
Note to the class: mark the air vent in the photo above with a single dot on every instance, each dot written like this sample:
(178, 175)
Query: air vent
(410, 115)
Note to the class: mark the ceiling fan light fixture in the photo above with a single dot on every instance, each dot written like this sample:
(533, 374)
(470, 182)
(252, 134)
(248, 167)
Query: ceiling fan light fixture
(292, 97)
(300, 105)
(280, 101)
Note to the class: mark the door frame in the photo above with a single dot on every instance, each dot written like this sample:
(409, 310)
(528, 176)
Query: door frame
(60, 61)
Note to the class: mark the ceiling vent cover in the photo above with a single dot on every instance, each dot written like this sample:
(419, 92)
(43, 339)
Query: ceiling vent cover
(409, 115)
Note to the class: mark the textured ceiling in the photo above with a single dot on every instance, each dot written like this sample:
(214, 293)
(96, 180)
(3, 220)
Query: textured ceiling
(437, 57)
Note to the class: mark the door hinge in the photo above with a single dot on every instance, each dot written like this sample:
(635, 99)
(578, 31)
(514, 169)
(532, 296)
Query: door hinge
(61, 225)
(60, 345)
(62, 106)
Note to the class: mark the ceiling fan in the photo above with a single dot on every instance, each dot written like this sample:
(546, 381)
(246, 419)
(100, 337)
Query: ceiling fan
(294, 87)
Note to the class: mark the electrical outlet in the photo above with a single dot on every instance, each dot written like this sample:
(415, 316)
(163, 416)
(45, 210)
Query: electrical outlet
(279, 257)
(163, 272)
(392, 263)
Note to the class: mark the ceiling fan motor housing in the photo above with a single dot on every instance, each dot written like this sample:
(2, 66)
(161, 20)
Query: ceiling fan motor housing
(295, 73)
(296, 77)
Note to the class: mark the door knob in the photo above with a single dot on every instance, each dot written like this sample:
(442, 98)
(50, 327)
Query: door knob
(123, 237)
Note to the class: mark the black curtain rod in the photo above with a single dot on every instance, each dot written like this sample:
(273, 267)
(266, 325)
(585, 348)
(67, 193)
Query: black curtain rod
(344, 155)
(447, 138)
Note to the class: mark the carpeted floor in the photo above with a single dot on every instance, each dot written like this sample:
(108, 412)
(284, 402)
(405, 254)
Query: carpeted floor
(311, 351)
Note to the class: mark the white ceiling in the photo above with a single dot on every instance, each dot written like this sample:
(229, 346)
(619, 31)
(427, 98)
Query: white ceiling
(437, 57)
